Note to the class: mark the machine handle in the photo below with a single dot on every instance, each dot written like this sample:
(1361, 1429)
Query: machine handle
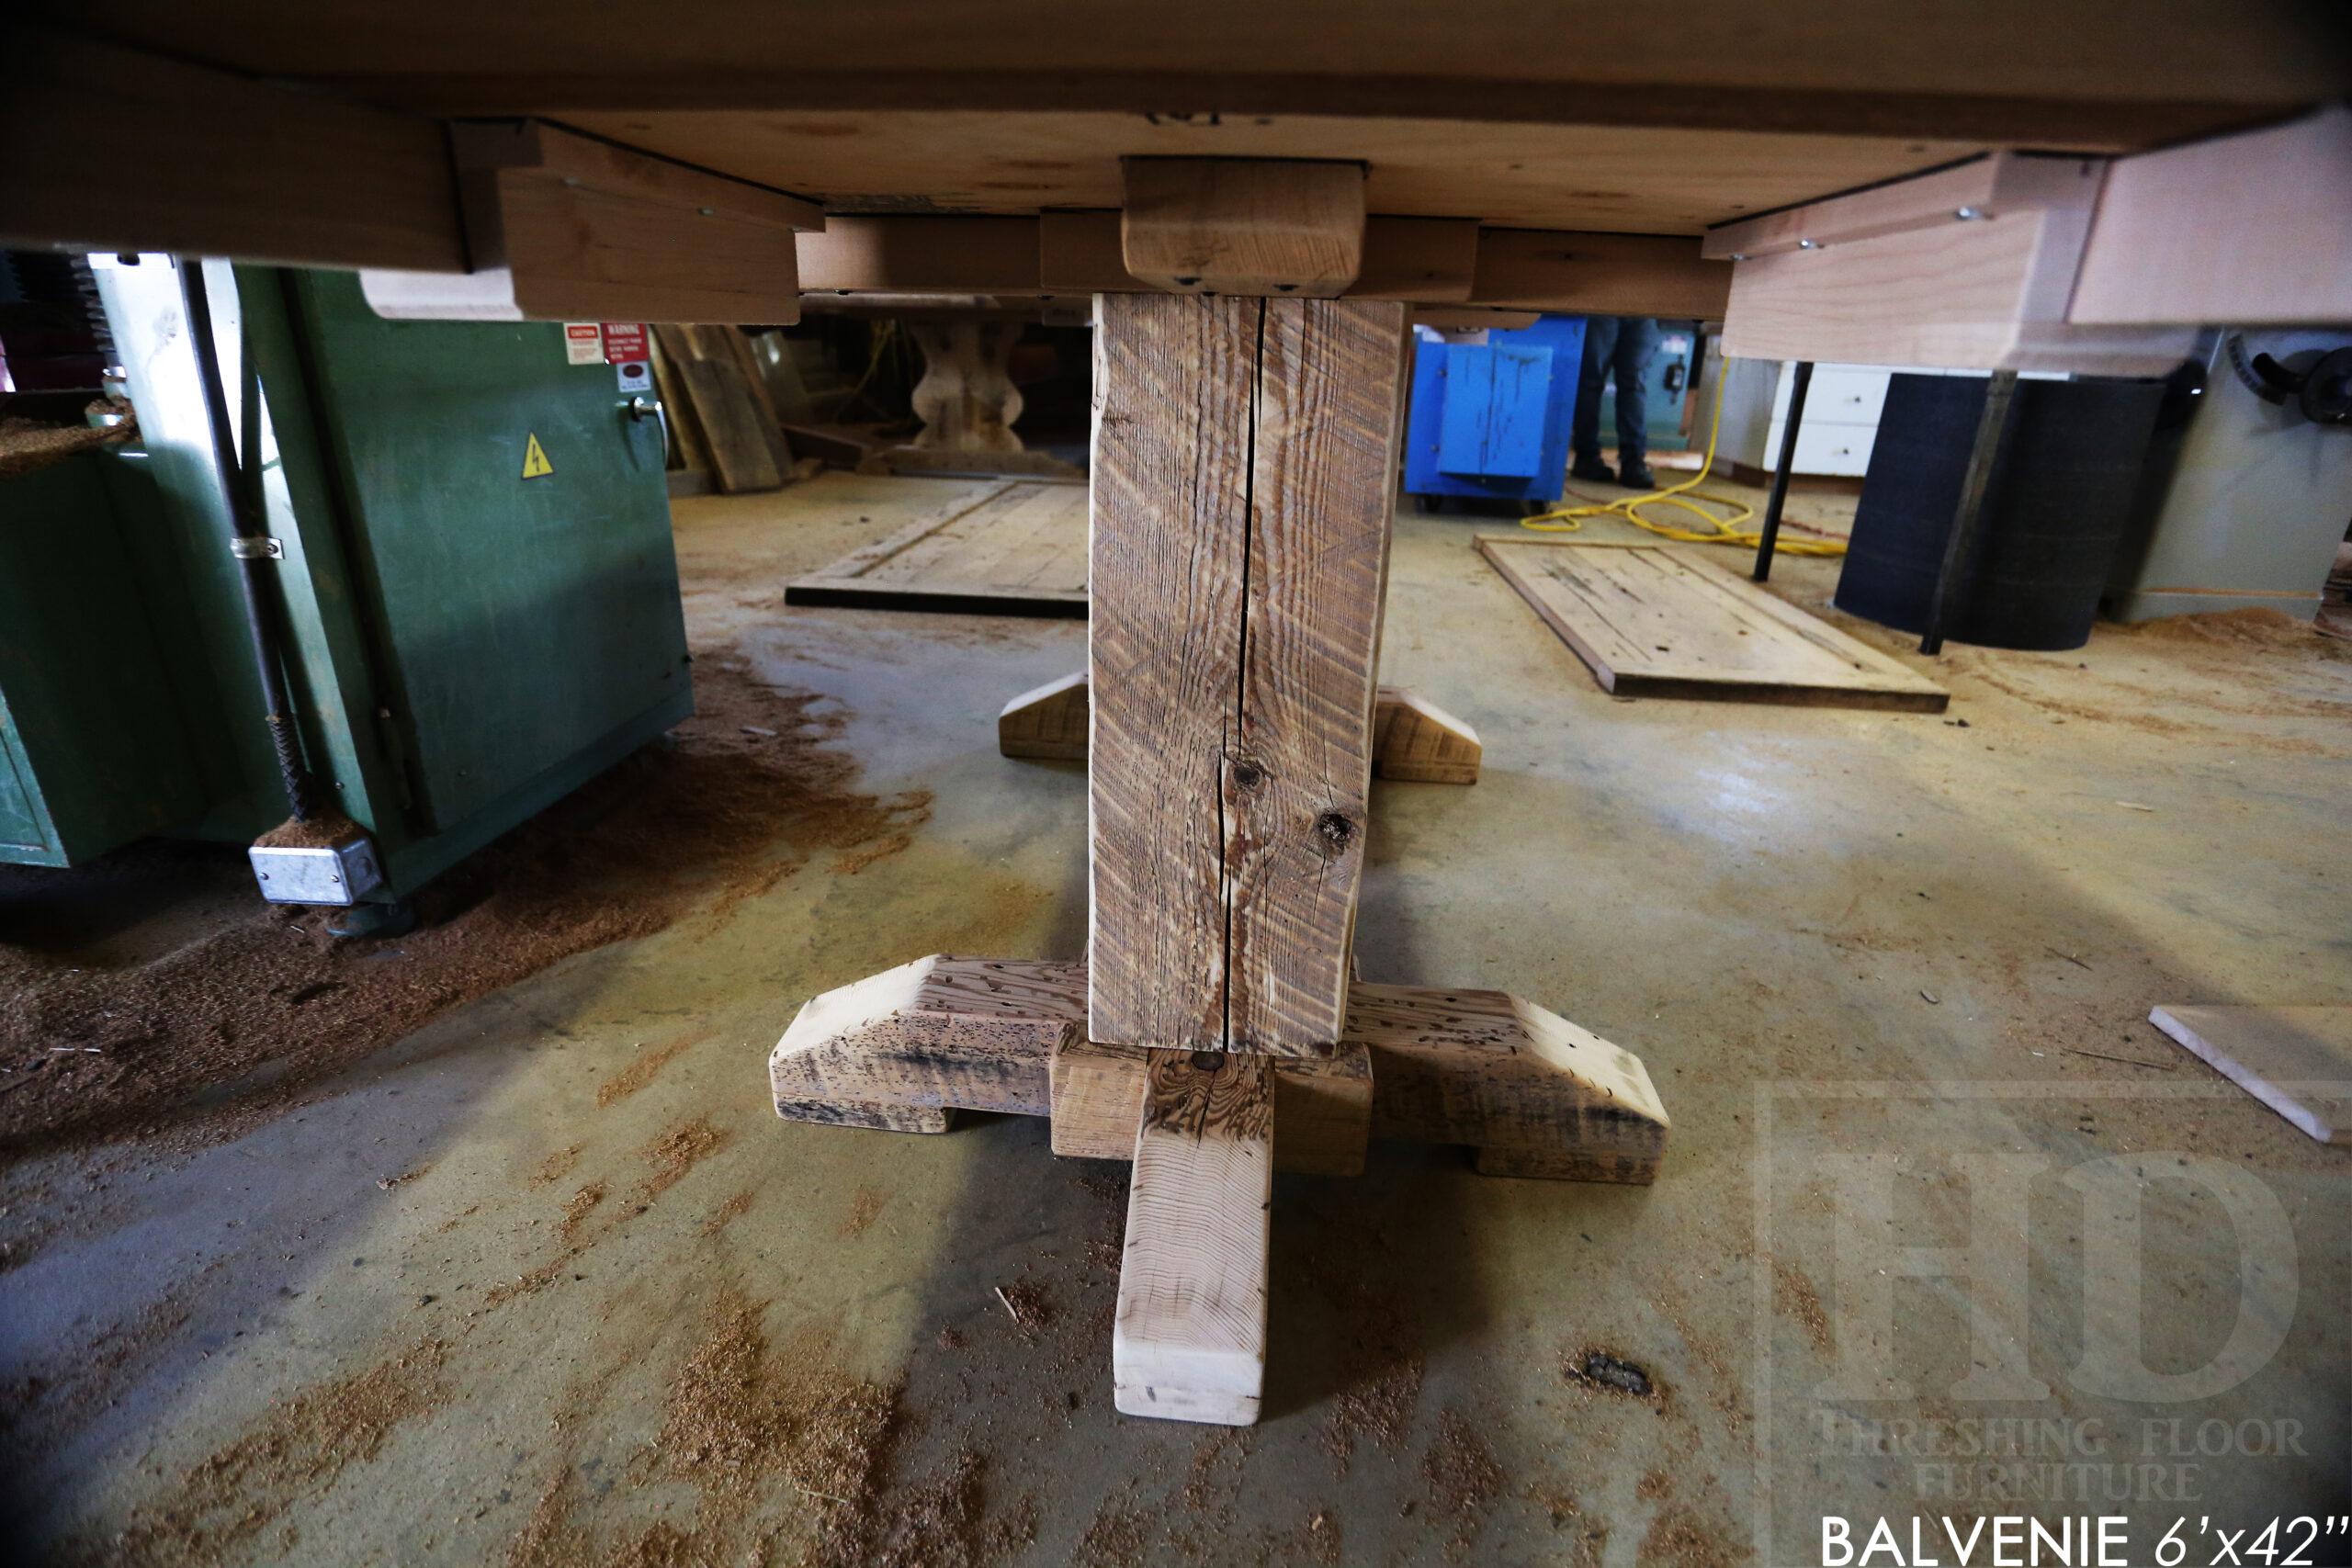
(642, 409)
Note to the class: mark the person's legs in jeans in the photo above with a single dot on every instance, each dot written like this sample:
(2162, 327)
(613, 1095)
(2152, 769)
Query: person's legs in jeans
(1584, 425)
(1635, 345)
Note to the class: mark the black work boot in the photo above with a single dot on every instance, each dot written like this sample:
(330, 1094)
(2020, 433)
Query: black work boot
(1636, 475)
(1591, 469)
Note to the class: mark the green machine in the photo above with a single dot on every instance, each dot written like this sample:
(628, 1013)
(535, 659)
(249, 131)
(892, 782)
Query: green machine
(466, 540)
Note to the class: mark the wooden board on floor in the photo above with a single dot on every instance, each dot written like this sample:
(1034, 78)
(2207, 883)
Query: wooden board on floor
(1189, 1343)
(2296, 1060)
(1666, 621)
(1007, 547)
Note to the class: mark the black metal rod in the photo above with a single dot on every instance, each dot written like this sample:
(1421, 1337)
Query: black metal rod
(248, 531)
(1999, 393)
(1798, 384)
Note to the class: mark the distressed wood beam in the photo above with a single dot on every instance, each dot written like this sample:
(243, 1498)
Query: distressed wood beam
(1322, 1106)
(1189, 1341)
(935, 1034)
(1413, 740)
(1534, 1093)
(1241, 496)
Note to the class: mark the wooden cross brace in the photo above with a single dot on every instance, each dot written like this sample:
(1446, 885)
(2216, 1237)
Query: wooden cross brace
(1243, 476)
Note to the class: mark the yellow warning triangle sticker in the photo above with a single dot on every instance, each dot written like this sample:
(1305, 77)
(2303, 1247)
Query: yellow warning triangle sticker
(535, 460)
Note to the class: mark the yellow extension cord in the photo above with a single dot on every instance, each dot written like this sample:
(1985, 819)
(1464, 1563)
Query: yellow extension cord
(1721, 530)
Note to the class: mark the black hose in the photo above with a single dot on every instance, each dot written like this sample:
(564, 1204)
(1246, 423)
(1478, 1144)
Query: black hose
(2256, 377)
(249, 541)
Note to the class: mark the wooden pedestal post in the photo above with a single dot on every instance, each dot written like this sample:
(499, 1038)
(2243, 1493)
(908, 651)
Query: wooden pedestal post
(1244, 454)
(1241, 488)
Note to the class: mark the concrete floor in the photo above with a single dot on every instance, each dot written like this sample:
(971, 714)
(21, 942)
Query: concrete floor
(1856, 950)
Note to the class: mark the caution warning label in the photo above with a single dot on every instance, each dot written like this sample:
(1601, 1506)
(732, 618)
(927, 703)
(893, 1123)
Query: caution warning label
(535, 460)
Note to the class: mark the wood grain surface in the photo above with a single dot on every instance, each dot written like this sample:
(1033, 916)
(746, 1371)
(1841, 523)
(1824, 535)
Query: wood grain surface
(1483, 1068)
(1188, 1342)
(1242, 225)
(2271, 240)
(1322, 1106)
(1049, 721)
(730, 423)
(1497, 1072)
(1417, 742)
(940, 1031)
(1988, 295)
(1670, 622)
(1598, 273)
(1413, 739)
(1240, 550)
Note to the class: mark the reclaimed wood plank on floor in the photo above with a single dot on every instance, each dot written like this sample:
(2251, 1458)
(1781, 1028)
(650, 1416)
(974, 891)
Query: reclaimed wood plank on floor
(1006, 546)
(1666, 621)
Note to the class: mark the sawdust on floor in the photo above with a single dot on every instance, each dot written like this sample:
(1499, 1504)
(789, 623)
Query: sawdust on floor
(299, 1449)
(642, 1068)
(1382, 1370)
(864, 1207)
(794, 1462)
(1464, 1480)
(199, 1041)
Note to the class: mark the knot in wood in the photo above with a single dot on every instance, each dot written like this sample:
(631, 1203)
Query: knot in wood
(1207, 1061)
(1248, 774)
(1335, 832)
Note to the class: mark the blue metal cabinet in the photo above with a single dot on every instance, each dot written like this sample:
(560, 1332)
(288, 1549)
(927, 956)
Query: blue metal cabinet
(1493, 422)
(1492, 419)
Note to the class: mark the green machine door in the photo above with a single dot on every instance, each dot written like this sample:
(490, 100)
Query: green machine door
(99, 742)
(510, 523)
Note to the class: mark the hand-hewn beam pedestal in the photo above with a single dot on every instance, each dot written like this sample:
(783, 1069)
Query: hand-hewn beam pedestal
(1245, 451)
(1413, 740)
(1533, 1094)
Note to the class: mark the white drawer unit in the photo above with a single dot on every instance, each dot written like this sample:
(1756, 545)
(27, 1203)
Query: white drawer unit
(1841, 413)
(1841, 409)
(1840, 394)
(1832, 448)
